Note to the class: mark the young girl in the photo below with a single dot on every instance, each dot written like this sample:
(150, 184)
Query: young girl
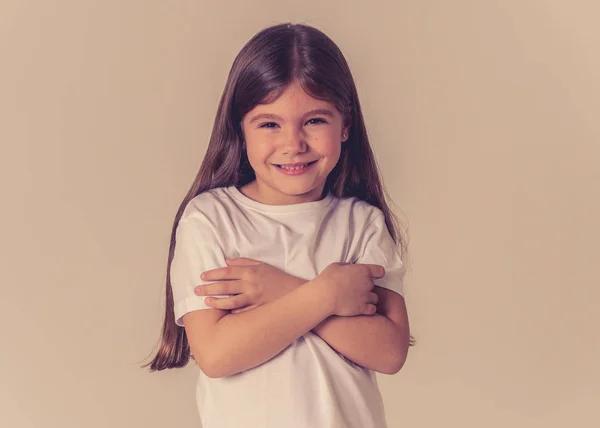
(284, 280)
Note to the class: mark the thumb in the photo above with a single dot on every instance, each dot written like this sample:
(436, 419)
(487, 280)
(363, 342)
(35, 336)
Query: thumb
(244, 309)
(376, 271)
(241, 261)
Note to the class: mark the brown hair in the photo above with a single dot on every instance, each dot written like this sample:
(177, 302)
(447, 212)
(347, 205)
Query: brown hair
(266, 65)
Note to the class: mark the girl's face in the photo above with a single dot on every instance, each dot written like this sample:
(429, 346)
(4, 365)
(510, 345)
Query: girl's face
(292, 144)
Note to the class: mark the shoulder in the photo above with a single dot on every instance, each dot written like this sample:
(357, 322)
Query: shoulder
(357, 210)
(201, 220)
(208, 205)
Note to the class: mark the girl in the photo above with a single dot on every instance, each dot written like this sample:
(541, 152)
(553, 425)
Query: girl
(284, 281)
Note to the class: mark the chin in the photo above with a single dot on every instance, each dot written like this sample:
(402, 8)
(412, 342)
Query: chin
(300, 190)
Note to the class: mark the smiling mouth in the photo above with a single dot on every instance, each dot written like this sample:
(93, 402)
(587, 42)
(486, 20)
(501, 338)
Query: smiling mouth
(294, 166)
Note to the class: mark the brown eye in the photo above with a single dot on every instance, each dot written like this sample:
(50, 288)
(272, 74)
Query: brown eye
(316, 121)
(268, 125)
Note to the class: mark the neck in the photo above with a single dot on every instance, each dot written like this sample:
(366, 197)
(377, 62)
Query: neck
(267, 195)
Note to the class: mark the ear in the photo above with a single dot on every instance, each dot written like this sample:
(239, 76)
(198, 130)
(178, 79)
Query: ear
(346, 129)
(345, 133)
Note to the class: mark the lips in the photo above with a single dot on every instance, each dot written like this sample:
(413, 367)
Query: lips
(294, 168)
(291, 166)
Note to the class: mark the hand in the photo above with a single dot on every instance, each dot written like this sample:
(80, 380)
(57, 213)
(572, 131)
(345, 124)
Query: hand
(349, 288)
(252, 283)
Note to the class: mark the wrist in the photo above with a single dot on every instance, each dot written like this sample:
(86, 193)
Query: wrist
(294, 283)
(324, 296)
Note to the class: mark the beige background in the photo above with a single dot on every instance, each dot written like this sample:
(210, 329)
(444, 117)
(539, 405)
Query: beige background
(484, 118)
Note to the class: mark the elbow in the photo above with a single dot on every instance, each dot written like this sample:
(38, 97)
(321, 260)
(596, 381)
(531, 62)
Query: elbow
(396, 356)
(216, 369)
(394, 366)
(395, 361)
(211, 370)
(213, 373)
(211, 364)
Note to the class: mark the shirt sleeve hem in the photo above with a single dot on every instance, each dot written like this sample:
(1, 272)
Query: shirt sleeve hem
(186, 305)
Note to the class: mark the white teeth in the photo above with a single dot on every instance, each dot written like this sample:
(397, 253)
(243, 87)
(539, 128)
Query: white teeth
(293, 168)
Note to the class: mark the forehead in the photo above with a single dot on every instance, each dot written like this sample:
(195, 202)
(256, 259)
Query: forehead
(294, 101)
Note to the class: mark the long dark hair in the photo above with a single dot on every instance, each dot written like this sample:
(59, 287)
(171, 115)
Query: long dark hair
(266, 65)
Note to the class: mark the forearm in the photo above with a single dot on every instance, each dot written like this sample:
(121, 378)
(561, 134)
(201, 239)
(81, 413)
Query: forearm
(244, 340)
(372, 341)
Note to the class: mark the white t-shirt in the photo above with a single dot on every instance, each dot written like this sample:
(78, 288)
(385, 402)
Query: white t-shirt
(308, 384)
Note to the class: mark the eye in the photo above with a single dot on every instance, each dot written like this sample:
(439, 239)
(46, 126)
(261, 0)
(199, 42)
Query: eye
(268, 125)
(316, 121)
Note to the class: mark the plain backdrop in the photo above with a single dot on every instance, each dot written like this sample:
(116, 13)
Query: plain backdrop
(484, 116)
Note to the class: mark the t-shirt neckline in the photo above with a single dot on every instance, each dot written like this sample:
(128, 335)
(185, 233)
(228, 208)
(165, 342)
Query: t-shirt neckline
(259, 206)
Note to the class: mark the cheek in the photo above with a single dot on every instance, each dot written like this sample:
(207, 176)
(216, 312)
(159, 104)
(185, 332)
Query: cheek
(328, 144)
(253, 155)
(257, 150)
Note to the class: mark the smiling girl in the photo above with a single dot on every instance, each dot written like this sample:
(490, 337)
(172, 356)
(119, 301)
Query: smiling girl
(284, 278)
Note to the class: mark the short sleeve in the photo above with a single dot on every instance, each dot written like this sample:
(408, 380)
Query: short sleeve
(197, 249)
(379, 248)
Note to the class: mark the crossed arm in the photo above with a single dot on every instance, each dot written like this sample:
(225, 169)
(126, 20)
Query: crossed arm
(378, 342)
(269, 309)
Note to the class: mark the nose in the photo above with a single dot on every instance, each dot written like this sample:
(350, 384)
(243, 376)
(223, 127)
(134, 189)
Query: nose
(294, 143)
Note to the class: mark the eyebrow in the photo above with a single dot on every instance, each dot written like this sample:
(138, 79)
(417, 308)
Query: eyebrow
(322, 111)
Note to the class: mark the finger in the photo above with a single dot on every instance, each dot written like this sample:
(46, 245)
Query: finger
(244, 309)
(242, 261)
(370, 309)
(219, 288)
(227, 303)
(376, 271)
(220, 274)
(373, 298)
